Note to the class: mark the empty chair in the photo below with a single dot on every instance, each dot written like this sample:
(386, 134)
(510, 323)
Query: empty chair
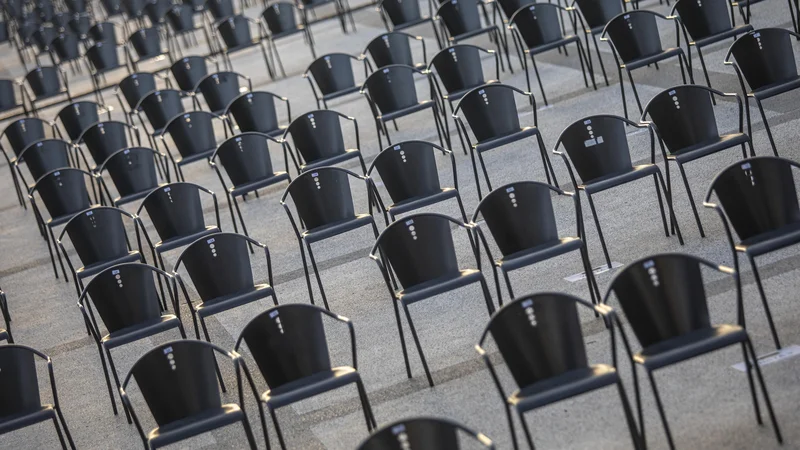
(9, 99)
(42, 36)
(182, 394)
(134, 10)
(219, 9)
(323, 200)
(22, 400)
(334, 77)
(342, 7)
(757, 198)
(540, 338)
(256, 112)
(664, 299)
(219, 268)
(45, 156)
(145, 45)
(394, 48)
(188, 71)
(130, 310)
(419, 252)
(460, 20)
(181, 20)
(685, 121)
(104, 32)
(134, 88)
(765, 59)
(408, 171)
(66, 46)
(290, 346)
(99, 238)
(318, 140)
(247, 162)
(133, 172)
(391, 93)
(594, 15)
(280, 20)
(422, 433)
(43, 83)
(80, 24)
(491, 112)
(193, 138)
(535, 29)
(406, 14)
(597, 147)
(233, 35)
(522, 222)
(5, 333)
(159, 107)
(104, 138)
(102, 58)
(219, 89)
(20, 134)
(635, 43)
(156, 11)
(78, 116)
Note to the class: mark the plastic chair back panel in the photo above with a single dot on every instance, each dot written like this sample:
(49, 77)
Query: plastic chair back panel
(219, 265)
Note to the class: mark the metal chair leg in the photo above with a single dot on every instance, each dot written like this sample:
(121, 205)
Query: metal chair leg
(419, 346)
(764, 392)
(661, 410)
(764, 302)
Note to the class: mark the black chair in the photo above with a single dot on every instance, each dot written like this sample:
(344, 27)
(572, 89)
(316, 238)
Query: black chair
(757, 198)
(409, 172)
(181, 19)
(419, 252)
(20, 134)
(290, 347)
(220, 89)
(5, 334)
(664, 299)
(104, 32)
(193, 137)
(130, 309)
(42, 36)
(67, 49)
(134, 11)
(159, 106)
(80, 24)
(708, 23)
(104, 138)
(535, 29)
(145, 45)
(43, 83)
(64, 194)
(45, 156)
(233, 35)
(8, 96)
(318, 140)
(765, 59)
(491, 112)
(177, 382)
(100, 240)
(422, 433)
(684, 120)
(635, 43)
(744, 11)
(189, 70)
(221, 272)
(333, 74)
(156, 11)
(522, 222)
(256, 112)
(539, 336)
(133, 89)
(342, 9)
(598, 148)
(323, 200)
(405, 14)
(133, 172)
(22, 401)
(392, 93)
(246, 160)
(102, 58)
(280, 20)
(461, 20)
(78, 116)
(394, 48)
(218, 9)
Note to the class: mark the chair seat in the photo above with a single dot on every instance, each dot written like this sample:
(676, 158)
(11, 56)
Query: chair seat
(455, 95)
(205, 154)
(60, 220)
(610, 181)
(350, 153)
(413, 203)
(688, 346)
(563, 386)
(134, 196)
(439, 285)
(341, 93)
(499, 141)
(566, 40)
(140, 331)
(246, 188)
(721, 36)
(336, 228)
(179, 241)
(771, 240)
(22, 420)
(774, 89)
(95, 268)
(310, 386)
(424, 104)
(226, 302)
(49, 95)
(473, 33)
(652, 59)
(411, 23)
(706, 148)
(539, 253)
(195, 424)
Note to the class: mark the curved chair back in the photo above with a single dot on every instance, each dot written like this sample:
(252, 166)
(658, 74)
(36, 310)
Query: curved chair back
(280, 17)
(63, 191)
(421, 433)
(597, 13)
(218, 265)
(104, 32)
(220, 9)
(67, 46)
(219, 89)
(188, 71)
(98, 234)
(45, 156)
(634, 35)
(597, 146)
(8, 95)
(235, 31)
(391, 48)
(683, 116)
(104, 138)
(333, 73)
(175, 209)
(317, 135)
(78, 116)
(23, 132)
(392, 88)
(459, 67)
(705, 18)
(509, 7)
(460, 16)
(156, 10)
(112, 7)
(408, 169)
(19, 382)
(160, 107)
(322, 196)
(43, 36)
(245, 158)
(401, 12)
(103, 56)
(193, 132)
(80, 24)
(764, 57)
(133, 170)
(490, 110)
(146, 42)
(538, 23)
(134, 8)
(181, 19)
(254, 111)
(136, 86)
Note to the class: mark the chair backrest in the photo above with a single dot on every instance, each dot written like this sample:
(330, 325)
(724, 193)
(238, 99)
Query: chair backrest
(133, 170)
(408, 169)
(103, 56)
(538, 23)
(764, 57)
(420, 433)
(419, 248)
(635, 35)
(597, 146)
(125, 295)
(66, 46)
(156, 10)
(189, 71)
(758, 195)
(104, 138)
(401, 12)
(519, 216)
(317, 135)
(333, 72)
(391, 48)
(45, 81)
(78, 116)
(98, 234)
(288, 343)
(8, 95)
(161, 106)
(459, 67)
(597, 13)
(322, 196)
(254, 111)
(246, 158)
(219, 89)
(175, 210)
(704, 18)
(23, 132)
(134, 8)
(76, 6)
(63, 191)
(392, 88)
(539, 337)
(135, 86)
(509, 7)
(280, 17)
(490, 110)
(112, 7)
(146, 42)
(193, 132)
(43, 36)
(220, 9)
(104, 32)
(181, 18)
(19, 383)
(683, 116)
(662, 296)
(45, 156)
(218, 264)
(460, 16)
(80, 24)
(235, 31)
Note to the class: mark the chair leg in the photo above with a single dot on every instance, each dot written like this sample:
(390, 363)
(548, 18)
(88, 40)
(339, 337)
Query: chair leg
(511, 426)
(626, 406)
(599, 230)
(508, 283)
(591, 282)
(488, 297)
(58, 254)
(485, 172)
(305, 270)
(635, 92)
(419, 346)
(661, 205)
(233, 218)
(60, 434)
(622, 91)
(249, 433)
(318, 276)
(661, 410)
(475, 171)
(402, 338)
(108, 380)
(365, 406)
(65, 427)
(546, 163)
(668, 196)
(599, 56)
(764, 392)
(277, 428)
(263, 418)
(691, 200)
(751, 384)
(158, 260)
(241, 219)
(116, 381)
(705, 71)
(50, 249)
(526, 430)
(538, 79)
(764, 302)
(216, 365)
(766, 127)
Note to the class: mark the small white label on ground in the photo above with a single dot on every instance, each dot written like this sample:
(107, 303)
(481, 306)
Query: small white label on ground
(597, 271)
(773, 357)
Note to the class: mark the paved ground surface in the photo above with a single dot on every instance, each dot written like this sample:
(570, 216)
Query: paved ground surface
(706, 399)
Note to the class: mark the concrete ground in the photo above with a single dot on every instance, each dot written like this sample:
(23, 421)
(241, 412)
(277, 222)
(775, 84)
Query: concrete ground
(706, 399)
